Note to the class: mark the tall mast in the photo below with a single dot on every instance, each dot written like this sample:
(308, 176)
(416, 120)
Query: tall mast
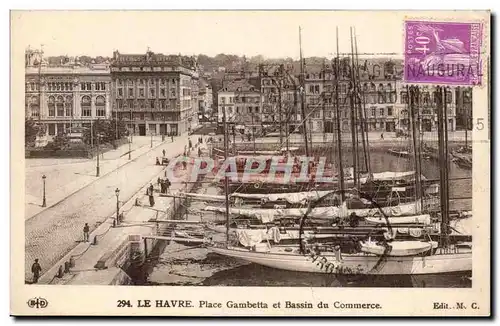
(323, 100)
(337, 109)
(414, 96)
(353, 120)
(303, 94)
(226, 180)
(362, 112)
(443, 163)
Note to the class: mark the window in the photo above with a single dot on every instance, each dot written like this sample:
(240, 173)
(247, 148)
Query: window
(381, 111)
(120, 82)
(100, 105)
(152, 82)
(316, 89)
(152, 104)
(120, 92)
(34, 110)
(141, 82)
(163, 104)
(381, 98)
(162, 81)
(343, 88)
(172, 92)
(374, 112)
(426, 98)
(162, 92)
(389, 110)
(130, 103)
(449, 96)
(86, 109)
(52, 129)
(69, 106)
(404, 97)
(85, 86)
(151, 92)
(130, 82)
(311, 88)
(100, 86)
(256, 109)
(237, 109)
(141, 92)
(52, 106)
(60, 106)
(130, 92)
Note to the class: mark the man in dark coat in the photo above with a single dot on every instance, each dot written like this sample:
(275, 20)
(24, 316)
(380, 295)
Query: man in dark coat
(167, 185)
(36, 269)
(86, 230)
(151, 197)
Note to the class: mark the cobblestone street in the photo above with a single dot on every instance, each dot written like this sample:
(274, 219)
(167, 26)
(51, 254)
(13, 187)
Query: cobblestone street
(56, 230)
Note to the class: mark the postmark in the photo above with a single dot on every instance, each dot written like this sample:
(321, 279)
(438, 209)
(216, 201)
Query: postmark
(443, 52)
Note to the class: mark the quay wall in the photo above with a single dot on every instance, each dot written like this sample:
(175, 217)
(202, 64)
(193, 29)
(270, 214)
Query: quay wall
(114, 249)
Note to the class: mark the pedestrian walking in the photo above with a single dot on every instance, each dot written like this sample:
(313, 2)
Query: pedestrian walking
(199, 151)
(36, 269)
(162, 186)
(167, 185)
(86, 230)
(159, 181)
(172, 137)
(190, 144)
(151, 197)
(164, 152)
(382, 136)
(157, 161)
(184, 164)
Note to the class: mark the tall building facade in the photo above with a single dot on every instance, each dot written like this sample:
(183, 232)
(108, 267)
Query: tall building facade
(280, 95)
(66, 95)
(155, 93)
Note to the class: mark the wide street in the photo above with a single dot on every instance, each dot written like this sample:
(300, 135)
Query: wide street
(64, 176)
(55, 231)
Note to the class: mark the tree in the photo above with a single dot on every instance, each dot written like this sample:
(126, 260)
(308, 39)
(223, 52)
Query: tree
(107, 130)
(60, 141)
(31, 129)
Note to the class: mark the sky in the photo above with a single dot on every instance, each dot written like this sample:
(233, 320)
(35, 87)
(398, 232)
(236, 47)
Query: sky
(272, 34)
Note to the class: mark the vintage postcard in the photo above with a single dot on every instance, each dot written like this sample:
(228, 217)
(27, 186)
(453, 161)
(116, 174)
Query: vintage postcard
(250, 163)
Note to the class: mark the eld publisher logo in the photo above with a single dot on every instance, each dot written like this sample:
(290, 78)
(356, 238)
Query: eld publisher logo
(37, 303)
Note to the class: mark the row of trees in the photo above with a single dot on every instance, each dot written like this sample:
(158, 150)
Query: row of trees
(109, 131)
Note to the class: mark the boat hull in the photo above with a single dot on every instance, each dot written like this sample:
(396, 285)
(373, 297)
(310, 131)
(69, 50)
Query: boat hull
(355, 264)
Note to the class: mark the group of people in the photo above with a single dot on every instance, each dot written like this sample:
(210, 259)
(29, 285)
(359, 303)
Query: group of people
(164, 185)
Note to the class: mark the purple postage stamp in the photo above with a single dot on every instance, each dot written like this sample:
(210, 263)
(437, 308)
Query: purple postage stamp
(443, 53)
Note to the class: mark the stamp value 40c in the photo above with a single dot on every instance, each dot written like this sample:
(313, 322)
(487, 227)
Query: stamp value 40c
(443, 53)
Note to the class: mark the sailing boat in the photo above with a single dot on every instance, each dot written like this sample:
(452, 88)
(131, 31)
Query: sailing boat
(354, 256)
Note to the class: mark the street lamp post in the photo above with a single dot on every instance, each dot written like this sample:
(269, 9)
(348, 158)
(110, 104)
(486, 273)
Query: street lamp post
(117, 219)
(97, 166)
(151, 139)
(44, 202)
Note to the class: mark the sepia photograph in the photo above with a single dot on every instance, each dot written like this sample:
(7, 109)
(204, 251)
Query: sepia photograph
(283, 155)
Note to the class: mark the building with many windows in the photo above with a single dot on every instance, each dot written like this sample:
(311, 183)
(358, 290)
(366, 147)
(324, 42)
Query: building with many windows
(66, 95)
(242, 102)
(205, 100)
(155, 93)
